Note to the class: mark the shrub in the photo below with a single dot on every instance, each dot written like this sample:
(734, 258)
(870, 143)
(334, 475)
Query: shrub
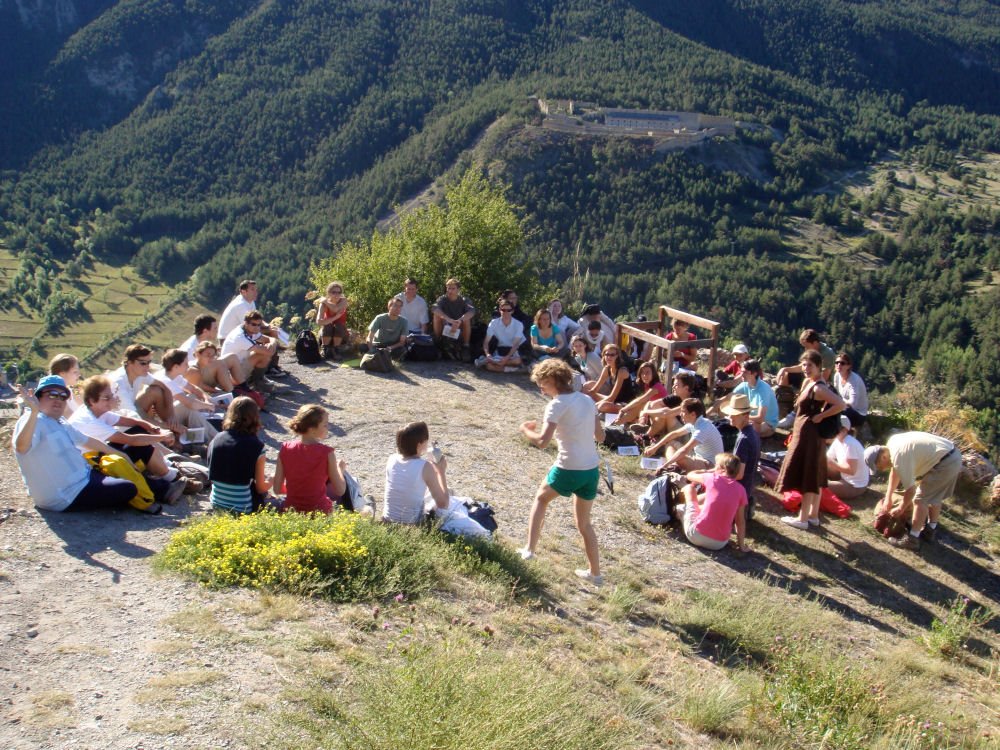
(949, 635)
(343, 557)
(474, 236)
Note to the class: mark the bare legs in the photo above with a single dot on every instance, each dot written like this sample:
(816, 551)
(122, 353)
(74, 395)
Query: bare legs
(581, 515)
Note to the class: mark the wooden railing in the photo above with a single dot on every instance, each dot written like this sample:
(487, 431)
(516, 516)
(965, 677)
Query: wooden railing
(654, 332)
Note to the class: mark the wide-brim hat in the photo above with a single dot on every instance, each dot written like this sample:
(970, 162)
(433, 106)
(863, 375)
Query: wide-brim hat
(738, 404)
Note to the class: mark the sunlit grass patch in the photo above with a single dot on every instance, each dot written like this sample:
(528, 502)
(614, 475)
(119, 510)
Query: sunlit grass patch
(455, 695)
(342, 557)
(53, 709)
(950, 633)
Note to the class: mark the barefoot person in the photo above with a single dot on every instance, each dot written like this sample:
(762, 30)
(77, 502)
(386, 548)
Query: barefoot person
(572, 418)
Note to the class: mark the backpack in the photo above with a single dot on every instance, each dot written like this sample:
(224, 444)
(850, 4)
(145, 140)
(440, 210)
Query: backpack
(307, 348)
(258, 398)
(377, 360)
(656, 502)
(113, 465)
(421, 348)
(616, 435)
(728, 433)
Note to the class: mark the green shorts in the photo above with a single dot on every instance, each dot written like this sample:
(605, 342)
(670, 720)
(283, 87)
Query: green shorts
(579, 482)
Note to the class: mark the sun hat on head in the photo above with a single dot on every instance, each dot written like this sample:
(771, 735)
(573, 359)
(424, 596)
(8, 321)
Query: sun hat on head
(741, 349)
(51, 383)
(738, 404)
(871, 457)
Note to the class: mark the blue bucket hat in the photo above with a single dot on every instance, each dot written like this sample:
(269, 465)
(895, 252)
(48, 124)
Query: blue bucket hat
(51, 383)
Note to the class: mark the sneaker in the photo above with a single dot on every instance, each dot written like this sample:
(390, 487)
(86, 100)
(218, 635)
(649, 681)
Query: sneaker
(813, 522)
(929, 535)
(174, 491)
(907, 541)
(795, 523)
(585, 575)
(276, 372)
(787, 421)
(265, 384)
(525, 553)
(154, 510)
(480, 361)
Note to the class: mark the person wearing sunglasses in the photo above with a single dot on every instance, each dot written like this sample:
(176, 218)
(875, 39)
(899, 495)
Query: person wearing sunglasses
(139, 394)
(48, 453)
(505, 334)
(253, 349)
(852, 389)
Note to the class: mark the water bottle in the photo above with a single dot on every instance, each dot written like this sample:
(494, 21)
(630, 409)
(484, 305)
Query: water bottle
(434, 454)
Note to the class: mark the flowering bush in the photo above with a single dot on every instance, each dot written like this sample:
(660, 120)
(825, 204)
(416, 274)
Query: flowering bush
(296, 552)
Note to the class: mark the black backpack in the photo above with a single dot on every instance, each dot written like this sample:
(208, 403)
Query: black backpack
(307, 348)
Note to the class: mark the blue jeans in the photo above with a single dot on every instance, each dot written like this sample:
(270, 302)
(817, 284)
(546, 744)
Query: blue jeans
(102, 492)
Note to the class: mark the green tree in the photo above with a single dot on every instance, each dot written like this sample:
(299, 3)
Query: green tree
(474, 235)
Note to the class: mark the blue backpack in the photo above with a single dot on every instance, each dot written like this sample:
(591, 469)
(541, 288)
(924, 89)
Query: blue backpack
(656, 503)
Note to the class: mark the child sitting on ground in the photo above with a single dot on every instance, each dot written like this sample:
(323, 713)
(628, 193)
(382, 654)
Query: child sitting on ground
(308, 472)
(710, 524)
(236, 461)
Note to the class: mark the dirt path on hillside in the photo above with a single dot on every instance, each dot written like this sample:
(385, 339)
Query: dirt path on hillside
(97, 652)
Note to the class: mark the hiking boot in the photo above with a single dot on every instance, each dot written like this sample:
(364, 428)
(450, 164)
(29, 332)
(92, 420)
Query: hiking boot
(192, 486)
(174, 492)
(276, 372)
(927, 534)
(907, 541)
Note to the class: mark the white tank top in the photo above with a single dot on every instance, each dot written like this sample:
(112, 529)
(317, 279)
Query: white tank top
(404, 489)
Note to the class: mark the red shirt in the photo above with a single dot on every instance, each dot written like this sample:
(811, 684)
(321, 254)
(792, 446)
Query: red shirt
(306, 476)
(682, 356)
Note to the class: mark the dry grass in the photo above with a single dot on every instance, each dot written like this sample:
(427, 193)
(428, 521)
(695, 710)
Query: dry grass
(52, 709)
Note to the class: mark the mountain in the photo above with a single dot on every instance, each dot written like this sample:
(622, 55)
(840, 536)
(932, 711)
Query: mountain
(218, 140)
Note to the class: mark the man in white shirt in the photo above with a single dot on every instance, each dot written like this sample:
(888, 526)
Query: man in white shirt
(507, 334)
(252, 349)
(235, 312)
(207, 329)
(234, 316)
(414, 307)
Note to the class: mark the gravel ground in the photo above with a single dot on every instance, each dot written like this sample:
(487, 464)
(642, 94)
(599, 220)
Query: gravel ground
(86, 629)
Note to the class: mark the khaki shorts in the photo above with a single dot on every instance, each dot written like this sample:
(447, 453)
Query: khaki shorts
(939, 483)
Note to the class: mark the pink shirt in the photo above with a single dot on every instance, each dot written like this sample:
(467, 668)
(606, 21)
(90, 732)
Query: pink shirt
(306, 476)
(723, 499)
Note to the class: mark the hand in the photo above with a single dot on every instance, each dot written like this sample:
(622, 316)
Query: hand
(530, 426)
(441, 465)
(650, 451)
(342, 464)
(816, 419)
(27, 395)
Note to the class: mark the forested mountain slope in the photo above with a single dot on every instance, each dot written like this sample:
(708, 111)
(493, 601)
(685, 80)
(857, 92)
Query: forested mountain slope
(219, 140)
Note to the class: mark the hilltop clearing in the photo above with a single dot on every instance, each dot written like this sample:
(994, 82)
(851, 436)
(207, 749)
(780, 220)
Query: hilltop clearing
(98, 652)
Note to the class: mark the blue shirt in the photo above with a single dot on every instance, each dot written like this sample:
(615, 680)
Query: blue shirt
(760, 395)
(53, 469)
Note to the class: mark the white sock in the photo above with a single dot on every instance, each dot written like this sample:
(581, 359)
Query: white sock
(932, 524)
(914, 534)
(171, 475)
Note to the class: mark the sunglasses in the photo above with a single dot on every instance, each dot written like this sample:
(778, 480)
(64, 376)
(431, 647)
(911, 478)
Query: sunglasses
(144, 362)
(56, 395)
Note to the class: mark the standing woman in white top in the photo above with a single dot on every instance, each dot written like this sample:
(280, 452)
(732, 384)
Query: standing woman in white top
(572, 418)
(408, 476)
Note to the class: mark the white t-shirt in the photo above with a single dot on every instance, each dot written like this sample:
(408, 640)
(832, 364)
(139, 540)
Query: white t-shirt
(238, 342)
(189, 346)
(842, 452)
(568, 326)
(510, 335)
(232, 316)
(404, 489)
(101, 427)
(853, 391)
(709, 439)
(176, 385)
(53, 469)
(415, 312)
(126, 391)
(575, 417)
